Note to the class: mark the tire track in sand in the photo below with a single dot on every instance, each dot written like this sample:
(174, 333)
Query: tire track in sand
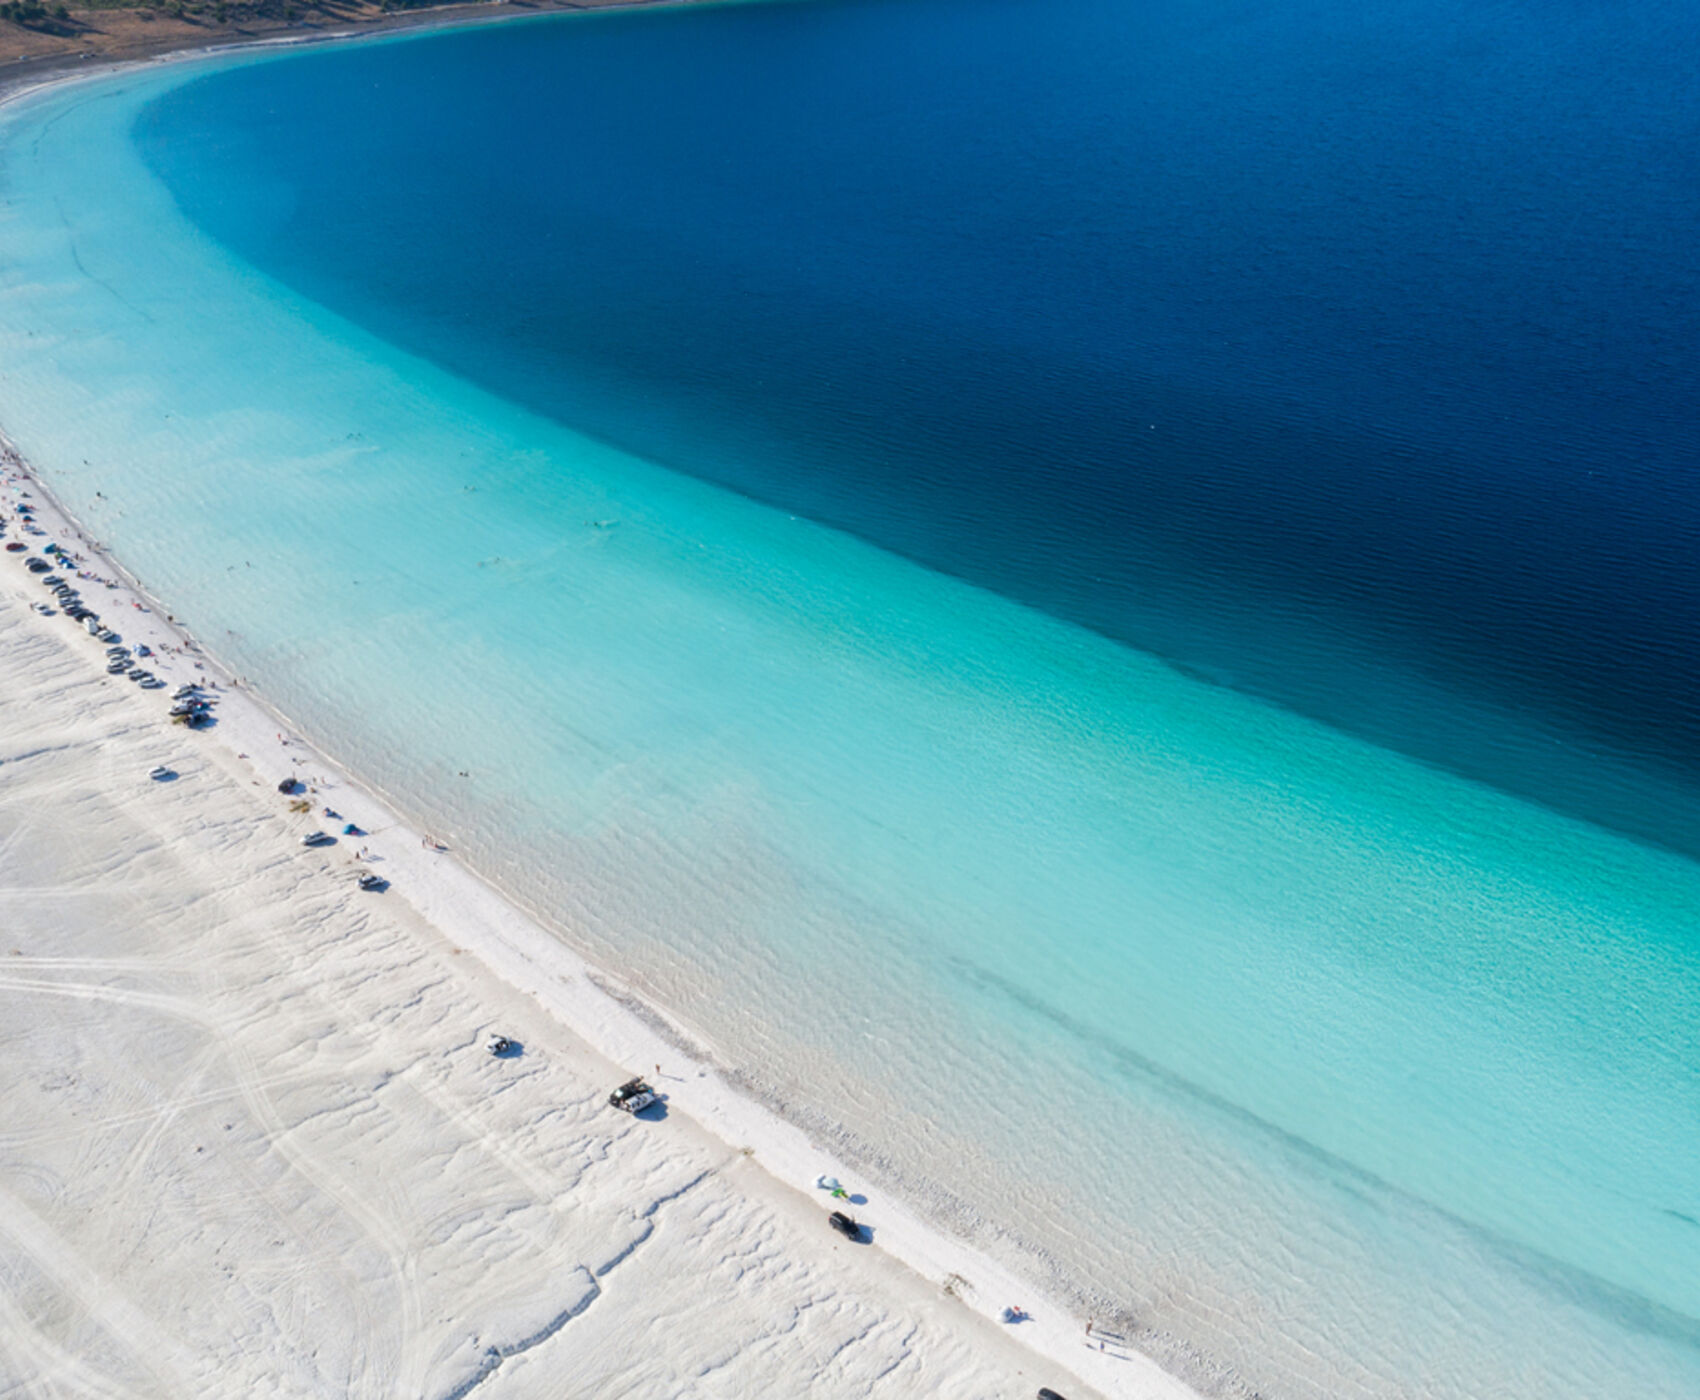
(156, 1351)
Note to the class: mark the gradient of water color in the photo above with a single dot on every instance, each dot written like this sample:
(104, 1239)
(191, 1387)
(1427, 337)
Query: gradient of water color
(1341, 353)
(1390, 1074)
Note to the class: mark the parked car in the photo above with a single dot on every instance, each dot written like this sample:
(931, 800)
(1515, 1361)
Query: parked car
(846, 1225)
(632, 1097)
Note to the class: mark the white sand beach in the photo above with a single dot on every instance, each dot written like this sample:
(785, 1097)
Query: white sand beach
(1117, 760)
(254, 1143)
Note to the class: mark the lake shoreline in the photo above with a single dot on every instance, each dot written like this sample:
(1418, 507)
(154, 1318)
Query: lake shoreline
(145, 43)
(475, 917)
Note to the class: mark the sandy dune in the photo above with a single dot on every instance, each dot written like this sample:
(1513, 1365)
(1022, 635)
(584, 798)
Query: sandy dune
(252, 1143)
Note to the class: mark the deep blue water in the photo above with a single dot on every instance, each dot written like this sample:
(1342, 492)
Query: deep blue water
(1342, 352)
(1391, 1076)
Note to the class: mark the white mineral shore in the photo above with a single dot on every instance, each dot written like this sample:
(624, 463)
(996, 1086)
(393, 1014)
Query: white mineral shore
(252, 1143)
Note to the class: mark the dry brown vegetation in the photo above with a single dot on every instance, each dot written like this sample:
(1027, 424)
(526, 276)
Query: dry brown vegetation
(38, 34)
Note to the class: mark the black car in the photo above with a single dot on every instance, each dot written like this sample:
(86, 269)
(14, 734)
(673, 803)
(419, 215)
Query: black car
(846, 1225)
(632, 1097)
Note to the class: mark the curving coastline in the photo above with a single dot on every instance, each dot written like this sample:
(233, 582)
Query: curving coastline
(950, 1297)
(110, 35)
(457, 907)
(488, 857)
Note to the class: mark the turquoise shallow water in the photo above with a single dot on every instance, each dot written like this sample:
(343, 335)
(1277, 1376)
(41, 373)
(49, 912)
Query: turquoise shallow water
(1341, 1074)
(1268, 341)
